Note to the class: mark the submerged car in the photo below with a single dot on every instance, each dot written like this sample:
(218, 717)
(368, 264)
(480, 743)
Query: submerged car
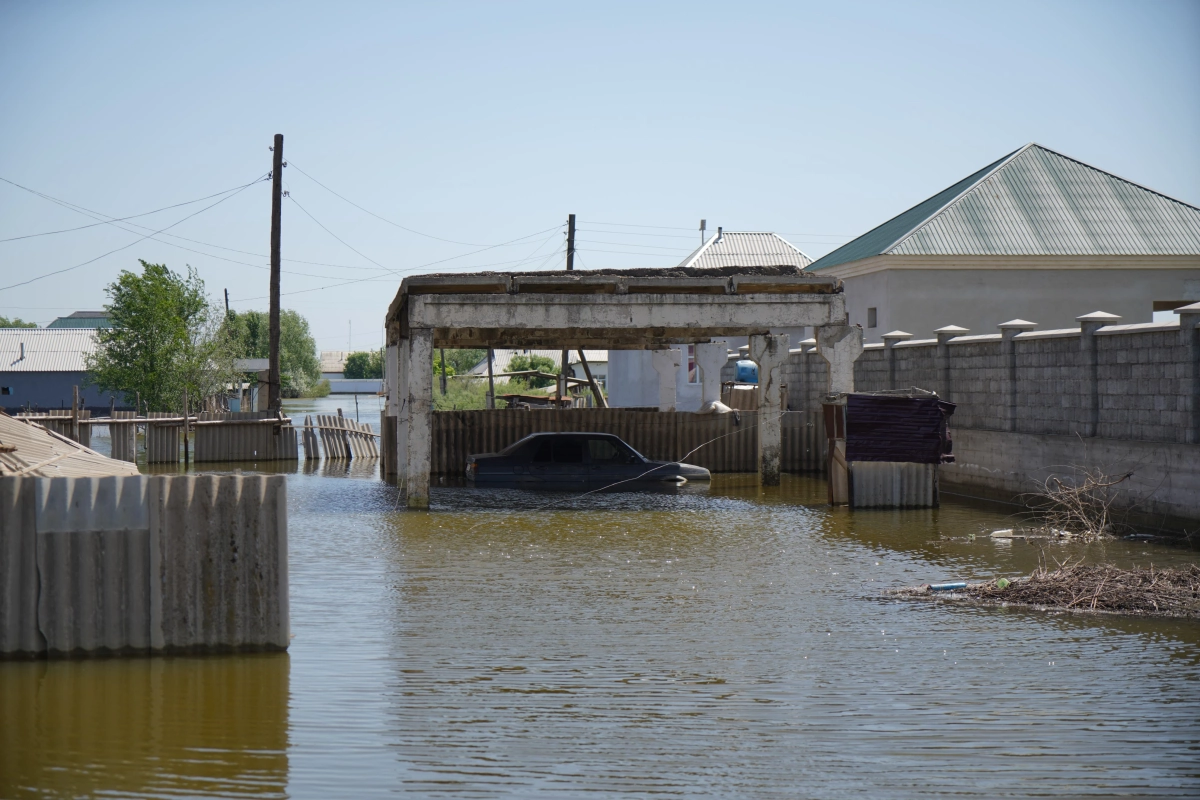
(576, 462)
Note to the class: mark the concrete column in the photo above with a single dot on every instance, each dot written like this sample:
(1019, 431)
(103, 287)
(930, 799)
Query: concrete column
(890, 340)
(399, 390)
(1089, 377)
(419, 412)
(1189, 337)
(944, 335)
(711, 357)
(840, 346)
(769, 352)
(390, 374)
(666, 364)
(1008, 356)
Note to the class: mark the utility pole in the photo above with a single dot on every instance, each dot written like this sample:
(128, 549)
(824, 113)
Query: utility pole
(703, 225)
(227, 302)
(274, 401)
(570, 242)
(562, 372)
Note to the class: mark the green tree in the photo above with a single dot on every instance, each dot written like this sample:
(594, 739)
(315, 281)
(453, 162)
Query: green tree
(16, 322)
(166, 339)
(364, 364)
(541, 363)
(299, 367)
(460, 361)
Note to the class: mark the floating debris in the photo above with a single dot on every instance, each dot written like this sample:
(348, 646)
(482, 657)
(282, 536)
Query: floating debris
(1101, 588)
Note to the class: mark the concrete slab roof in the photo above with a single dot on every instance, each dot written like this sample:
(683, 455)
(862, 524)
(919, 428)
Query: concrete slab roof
(598, 309)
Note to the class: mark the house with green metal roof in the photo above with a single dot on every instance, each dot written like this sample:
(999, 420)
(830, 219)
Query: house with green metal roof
(1035, 235)
(83, 319)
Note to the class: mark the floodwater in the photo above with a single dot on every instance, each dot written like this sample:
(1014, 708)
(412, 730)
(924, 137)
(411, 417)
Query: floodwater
(725, 644)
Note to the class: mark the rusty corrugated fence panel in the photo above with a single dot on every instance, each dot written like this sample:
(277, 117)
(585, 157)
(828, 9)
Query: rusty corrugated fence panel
(19, 632)
(219, 547)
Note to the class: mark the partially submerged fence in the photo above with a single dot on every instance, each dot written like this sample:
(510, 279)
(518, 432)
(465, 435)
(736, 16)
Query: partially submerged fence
(247, 436)
(143, 564)
(719, 442)
(75, 425)
(342, 438)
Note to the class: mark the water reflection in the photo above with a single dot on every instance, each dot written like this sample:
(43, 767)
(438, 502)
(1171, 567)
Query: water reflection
(150, 727)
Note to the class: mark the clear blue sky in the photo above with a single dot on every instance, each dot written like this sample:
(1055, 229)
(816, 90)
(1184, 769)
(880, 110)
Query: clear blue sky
(485, 122)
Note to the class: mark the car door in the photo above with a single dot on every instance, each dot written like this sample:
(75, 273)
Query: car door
(559, 463)
(611, 462)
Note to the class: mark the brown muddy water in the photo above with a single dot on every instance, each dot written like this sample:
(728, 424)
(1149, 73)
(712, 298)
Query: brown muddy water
(726, 644)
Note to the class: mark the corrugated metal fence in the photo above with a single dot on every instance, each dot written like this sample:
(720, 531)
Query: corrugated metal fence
(143, 563)
(162, 441)
(720, 442)
(124, 437)
(246, 441)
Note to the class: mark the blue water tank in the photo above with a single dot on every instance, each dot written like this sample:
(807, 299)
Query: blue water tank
(747, 371)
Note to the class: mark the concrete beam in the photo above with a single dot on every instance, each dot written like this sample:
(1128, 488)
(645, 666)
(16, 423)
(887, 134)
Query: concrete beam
(769, 352)
(633, 320)
(419, 413)
(666, 364)
(840, 346)
(711, 357)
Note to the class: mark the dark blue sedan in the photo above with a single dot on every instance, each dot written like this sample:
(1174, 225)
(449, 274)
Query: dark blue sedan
(576, 462)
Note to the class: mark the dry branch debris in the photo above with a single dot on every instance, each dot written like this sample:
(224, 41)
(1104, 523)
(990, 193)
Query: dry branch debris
(1138, 591)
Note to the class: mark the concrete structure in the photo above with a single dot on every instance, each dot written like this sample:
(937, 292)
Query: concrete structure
(635, 381)
(140, 564)
(1033, 402)
(502, 360)
(646, 309)
(1035, 234)
(39, 367)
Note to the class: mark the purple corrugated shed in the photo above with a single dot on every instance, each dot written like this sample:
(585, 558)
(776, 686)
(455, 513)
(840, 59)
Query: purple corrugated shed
(888, 428)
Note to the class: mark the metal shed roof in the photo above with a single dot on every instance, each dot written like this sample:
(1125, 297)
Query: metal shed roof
(746, 249)
(1034, 201)
(83, 319)
(45, 349)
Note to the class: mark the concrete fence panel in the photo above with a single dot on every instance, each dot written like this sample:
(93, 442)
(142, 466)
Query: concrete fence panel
(143, 564)
(244, 442)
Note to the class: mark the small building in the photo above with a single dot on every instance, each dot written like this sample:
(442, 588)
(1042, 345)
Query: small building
(633, 381)
(1035, 235)
(333, 364)
(83, 319)
(39, 368)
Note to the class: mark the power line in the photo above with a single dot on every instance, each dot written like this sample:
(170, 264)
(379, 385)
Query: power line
(136, 241)
(643, 246)
(75, 208)
(384, 219)
(334, 235)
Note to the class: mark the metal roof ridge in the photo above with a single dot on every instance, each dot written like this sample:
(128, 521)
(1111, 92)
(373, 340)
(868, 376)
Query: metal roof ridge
(699, 251)
(999, 165)
(1142, 186)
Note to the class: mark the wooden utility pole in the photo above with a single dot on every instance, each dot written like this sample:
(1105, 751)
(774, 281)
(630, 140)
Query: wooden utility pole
(273, 379)
(491, 395)
(442, 353)
(562, 376)
(570, 242)
(587, 370)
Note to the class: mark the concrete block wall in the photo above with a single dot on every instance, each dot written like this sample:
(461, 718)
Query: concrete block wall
(1143, 385)
(1050, 386)
(977, 379)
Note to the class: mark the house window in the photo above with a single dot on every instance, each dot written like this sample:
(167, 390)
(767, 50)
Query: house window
(5, 390)
(693, 370)
(871, 318)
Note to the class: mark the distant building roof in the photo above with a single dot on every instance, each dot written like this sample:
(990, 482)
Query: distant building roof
(1034, 201)
(45, 349)
(29, 449)
(739, 249)
(334, 360)
(83, 319)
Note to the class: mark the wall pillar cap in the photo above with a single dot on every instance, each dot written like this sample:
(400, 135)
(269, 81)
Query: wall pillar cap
(952, 329)
(897, 335)
(1194, 308)
(809, 341)
(1098, 316)
(1017, 324)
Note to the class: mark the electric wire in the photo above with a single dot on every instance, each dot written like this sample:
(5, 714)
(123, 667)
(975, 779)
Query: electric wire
(381, 218)
(136, 241)
(76, 208)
